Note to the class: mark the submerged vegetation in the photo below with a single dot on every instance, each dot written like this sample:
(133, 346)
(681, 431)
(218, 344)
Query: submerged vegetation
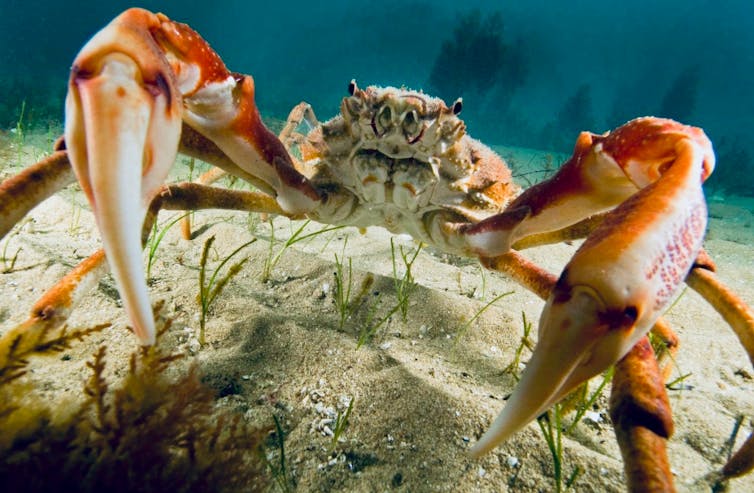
(404, 284)
(151, 430)
(476, 59)
(343, 286)
(210, 289)
(480, 63)
(552, 423)
(29, 102)
(273, 257)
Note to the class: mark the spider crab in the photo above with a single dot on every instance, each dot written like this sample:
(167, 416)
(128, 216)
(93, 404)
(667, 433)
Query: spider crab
(146, 87)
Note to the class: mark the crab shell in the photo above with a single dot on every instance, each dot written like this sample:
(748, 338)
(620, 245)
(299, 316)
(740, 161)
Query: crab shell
(402, 160)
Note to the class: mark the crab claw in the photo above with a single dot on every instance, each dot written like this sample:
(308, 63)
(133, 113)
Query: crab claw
(579, 337)
(123, 122)
(624, 275)
(132, 87)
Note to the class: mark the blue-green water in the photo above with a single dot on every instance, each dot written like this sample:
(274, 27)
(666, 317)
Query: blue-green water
(531, 73)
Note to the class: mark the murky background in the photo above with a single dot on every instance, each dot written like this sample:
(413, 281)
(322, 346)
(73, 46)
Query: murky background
(531, 73)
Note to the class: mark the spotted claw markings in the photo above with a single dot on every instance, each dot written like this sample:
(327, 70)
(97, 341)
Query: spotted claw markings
(624, 275)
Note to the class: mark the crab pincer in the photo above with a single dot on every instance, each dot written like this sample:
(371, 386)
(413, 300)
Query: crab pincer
(626, 272)
(132, 87)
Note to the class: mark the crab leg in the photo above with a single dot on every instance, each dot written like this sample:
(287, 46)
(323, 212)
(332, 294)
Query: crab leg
(51, 311)
(54, 307)
(131, 87)
(21, 193)
(623, 276)
(207, 178)
(300, 113)
(220, 106)
(741, 319)
(640, 411)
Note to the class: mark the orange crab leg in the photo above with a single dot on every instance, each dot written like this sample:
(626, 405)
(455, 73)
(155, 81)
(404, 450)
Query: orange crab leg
(51, 311)
(741, 319)
(220, 106)
(131, 87)
(623, 276)
(640, 411)
(639, 406)
(603, 172)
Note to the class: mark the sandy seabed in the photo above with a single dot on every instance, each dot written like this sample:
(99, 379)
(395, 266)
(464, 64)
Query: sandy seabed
(421, 395)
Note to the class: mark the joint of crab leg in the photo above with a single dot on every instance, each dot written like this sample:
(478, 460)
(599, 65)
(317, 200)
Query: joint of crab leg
(196, 145)
(642, 418)
(605, 170)
(220, 105)
(645, 148)
(590, 182)
(638, 395)
(295, 193)
(49, 313)
(492, 236)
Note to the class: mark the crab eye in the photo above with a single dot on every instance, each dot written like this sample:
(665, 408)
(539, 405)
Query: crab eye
(411, 126)
(384, 120)
(352, 87)
(457, 106)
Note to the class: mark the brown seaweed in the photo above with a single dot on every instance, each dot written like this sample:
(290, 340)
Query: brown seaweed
(156, 429)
